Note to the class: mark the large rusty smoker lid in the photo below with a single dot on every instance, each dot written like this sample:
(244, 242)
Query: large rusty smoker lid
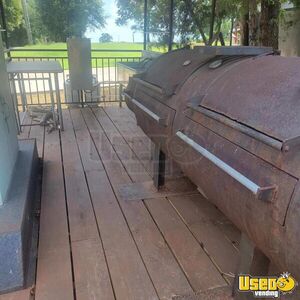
(262, 93)
(169, 71)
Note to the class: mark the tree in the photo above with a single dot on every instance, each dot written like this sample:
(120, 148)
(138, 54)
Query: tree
(253, 23)
(260, 28)
(39, 31)
(13, 14)
(27, 21)
(269, 28)
(193, 19)
(105, 38)
(244, 22)
(63, 19)
(207, 20)
(15, 22)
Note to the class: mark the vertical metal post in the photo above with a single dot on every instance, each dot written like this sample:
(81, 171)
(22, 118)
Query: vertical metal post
(171, 24)
(159, 161)
(22, 91)
(145, 23)
(15, 101)
(52, 100)
(252, 262)
(57, 91)
(120, 94)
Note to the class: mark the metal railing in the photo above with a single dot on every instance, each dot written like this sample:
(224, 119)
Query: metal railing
(104, 69)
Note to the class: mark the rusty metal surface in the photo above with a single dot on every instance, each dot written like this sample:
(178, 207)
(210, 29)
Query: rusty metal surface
(221, 188)
(171, 70)
(235, 133)
(262, 93)
(236, 50)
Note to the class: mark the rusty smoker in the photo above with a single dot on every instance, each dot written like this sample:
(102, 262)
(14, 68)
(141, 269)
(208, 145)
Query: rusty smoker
(234, 114)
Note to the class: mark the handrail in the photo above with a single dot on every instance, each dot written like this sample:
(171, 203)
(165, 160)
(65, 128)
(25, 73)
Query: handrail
(262, 193)
(146, 110)
(93, 57)
(105, 71)
(65, 50)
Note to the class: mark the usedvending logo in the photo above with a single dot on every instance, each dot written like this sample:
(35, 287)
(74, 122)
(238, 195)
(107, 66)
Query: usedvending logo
(267, 287)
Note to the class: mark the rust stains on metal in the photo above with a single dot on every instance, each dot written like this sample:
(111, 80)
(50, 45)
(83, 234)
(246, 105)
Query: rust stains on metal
(231, 119)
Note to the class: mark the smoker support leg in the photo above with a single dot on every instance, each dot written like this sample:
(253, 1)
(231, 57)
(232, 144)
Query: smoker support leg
(159, 159)
(81, 98)
(57, 92)
(252, 262)
(120, 94)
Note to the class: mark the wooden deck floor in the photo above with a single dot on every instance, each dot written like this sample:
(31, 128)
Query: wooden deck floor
(93, 244)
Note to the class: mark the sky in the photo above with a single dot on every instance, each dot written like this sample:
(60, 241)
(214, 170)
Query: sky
(119, 33)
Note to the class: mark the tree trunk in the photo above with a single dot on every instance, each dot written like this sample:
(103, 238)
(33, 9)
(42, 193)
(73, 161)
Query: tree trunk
(221, 38)
(189, 6)
(216, 36)
(231, 30)
(253, 23)
(27, 22)
(244, 23)
(212, 21)
(269, 28)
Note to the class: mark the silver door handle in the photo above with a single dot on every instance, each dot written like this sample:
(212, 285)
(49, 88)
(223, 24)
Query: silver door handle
(263, 193)
(154, 116)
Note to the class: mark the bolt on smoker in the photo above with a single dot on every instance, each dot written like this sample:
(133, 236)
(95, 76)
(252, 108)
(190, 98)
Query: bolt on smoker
(230, 118)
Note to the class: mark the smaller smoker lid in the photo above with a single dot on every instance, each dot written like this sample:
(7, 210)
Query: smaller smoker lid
(170, 70)
(262, 93)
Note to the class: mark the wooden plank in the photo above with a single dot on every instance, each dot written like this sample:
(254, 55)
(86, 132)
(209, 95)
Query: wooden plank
(54, 278)
(139, 142)
(81, 216)
(125, 120)
(38, 133)
(165, 272)
(54, 270)
(116, 171)
(198, 267)
(91, 274)
(199, 215)
(89, 155)
(146, 190)
(158, 207)
(18, 295)
(231, 232)
(124, 114)
(128, 125)
(92, 280)
(129, 276)
(134, 136)
(223, 293)
(130, 161)
(205, 211)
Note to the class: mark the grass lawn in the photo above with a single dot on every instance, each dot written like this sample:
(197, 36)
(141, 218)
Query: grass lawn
(108, 56)
(26, 51)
